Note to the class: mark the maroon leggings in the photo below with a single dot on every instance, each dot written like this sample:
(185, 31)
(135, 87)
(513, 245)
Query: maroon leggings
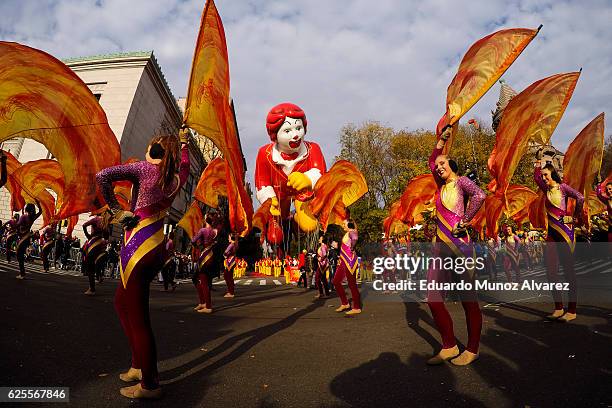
(341, 272)
(204, 290)
(228, 275)
(321, 281)
(555, 252)
(388, 276)
(510, 265)
(469, 301)
(132, 305)
(444, 323)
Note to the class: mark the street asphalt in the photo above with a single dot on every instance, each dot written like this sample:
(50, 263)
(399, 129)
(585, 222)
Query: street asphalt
(275, 346)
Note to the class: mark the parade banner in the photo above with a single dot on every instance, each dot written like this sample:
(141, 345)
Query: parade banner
(531, 116)
(582, 161)
(44, 100)
(482, 65)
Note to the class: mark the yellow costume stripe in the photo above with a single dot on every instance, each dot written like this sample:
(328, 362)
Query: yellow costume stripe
(571, 243)
(147, 246)
(206, 258)
(99, 256)
(145, 223)
(449, 242)
(95, 244)
(151, 243)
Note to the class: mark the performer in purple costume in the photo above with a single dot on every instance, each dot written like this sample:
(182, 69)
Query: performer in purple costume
(347, 267)
(229, 264)
(322, 269)
(560, 238)
(11, 235)
(607, 200)
(94, 251)
(24, 229)
(205, 238)
(47, 240)
(452, 240)
(156, 183)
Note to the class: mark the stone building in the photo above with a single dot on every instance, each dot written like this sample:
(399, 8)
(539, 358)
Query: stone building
(138, 102)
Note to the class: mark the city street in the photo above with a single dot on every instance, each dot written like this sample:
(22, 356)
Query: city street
(275, 346)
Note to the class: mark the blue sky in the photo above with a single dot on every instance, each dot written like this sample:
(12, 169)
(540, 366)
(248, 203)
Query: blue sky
(341, 61)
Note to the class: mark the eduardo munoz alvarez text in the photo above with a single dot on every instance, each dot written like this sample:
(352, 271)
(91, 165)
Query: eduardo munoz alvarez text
(459, 264)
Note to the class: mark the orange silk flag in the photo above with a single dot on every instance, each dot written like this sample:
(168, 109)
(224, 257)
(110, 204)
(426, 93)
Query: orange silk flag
(44, 100)
(595, 206)
(416, 198)
(37, 175)
(47, 205)
(583, 160)
(482, 65)
(342, 185)
(391, 218)
(537, 212)
(261, 218)
(522, 215)
(72, 222)
(217, 180)
(209, 110)
(193, 220)
(12, 184)
(519, 198)
(480, 220)
(493, 210)
(532, 115)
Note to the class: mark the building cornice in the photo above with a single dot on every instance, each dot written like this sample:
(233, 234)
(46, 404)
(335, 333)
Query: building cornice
(139, 59)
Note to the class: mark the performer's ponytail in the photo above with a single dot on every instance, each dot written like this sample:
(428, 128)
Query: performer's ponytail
(166, 148)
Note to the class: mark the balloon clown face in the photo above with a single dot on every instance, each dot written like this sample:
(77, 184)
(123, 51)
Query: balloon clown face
(290, 135)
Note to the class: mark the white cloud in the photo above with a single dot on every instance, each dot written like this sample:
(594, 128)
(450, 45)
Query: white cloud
(386, 60)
